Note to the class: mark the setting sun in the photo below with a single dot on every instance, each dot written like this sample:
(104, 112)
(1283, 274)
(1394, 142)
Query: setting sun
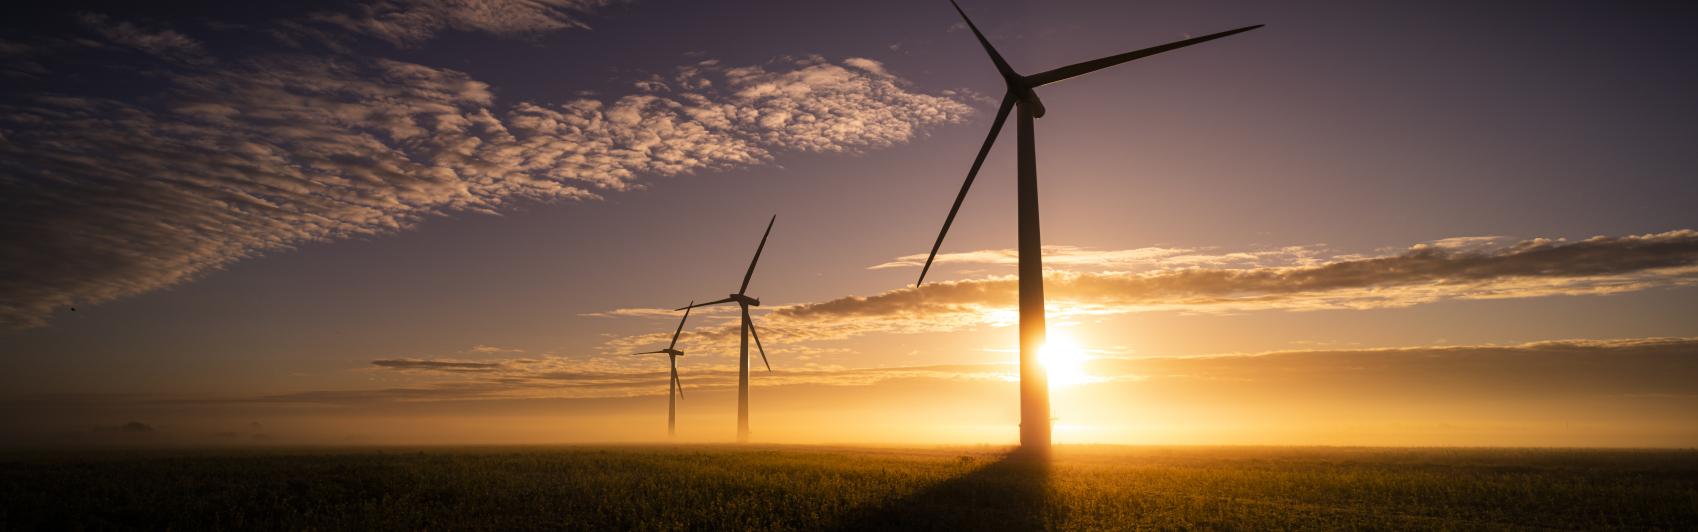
(1064, 360)
(612, 265)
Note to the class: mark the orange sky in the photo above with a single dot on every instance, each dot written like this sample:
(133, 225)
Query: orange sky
(1635, 393)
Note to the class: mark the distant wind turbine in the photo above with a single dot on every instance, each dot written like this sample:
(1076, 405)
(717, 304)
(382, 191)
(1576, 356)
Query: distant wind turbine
(1034, 381)
(745, 302)
(674, 388)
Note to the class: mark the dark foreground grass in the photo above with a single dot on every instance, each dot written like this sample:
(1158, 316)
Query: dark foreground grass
(726, 488)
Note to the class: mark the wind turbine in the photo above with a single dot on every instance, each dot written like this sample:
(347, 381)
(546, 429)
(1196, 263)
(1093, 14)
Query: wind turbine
(674, 387)
(1034, 381)
(745, 302)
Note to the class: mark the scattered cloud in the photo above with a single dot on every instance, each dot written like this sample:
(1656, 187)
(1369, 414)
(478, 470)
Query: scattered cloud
(1655, 366)
(165, 44)
(555, 377)
(108, 198)
(131, 429)
(869, 65)
(1085, 282)
(408, 23)
(1627, 392)
(436, 365)
(666, 313)
(21, 61)
(1468, 242)
(1074, 257)
(492, 350)
(136, 427)
(1468, 373)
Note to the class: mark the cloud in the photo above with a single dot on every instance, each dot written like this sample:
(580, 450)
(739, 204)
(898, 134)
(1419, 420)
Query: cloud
(106, 198)
(1562, 368)
(1074, 257)
(136, 427)
(664, 313)
(408, 23)
(457, 392)
(869, 65)
(1599, 381)
(438, 365)
(1289, 279)
(1622, 392)
(162, 43)
(602, 377)
(129, 429)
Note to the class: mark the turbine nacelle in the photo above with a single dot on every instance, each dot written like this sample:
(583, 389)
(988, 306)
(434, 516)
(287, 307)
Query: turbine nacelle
(1021, 92)
(743, 301)
(1026, 95)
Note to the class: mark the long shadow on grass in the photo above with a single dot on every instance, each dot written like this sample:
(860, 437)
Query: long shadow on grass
(1011, 493)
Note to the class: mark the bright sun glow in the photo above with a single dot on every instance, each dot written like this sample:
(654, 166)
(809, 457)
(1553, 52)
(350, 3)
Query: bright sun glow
(1064, 360)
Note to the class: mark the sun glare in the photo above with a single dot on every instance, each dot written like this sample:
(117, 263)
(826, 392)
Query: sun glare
(1064, 360)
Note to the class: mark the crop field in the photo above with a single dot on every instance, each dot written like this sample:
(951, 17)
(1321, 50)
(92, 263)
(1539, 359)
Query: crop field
(824, 488)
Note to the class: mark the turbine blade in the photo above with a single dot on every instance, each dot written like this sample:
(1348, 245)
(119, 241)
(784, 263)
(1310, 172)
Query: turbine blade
(1001, 66)
(681, 326)
(1080, 69)
(996, 127)
(751, 272)
(757, 336)
(648, 353)
(707, 304)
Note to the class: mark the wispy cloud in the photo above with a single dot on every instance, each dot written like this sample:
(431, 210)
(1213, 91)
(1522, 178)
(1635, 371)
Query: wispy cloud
(1633, 392)
(437, 365)
(1555, 368)
(616, 377)
(1286, 279)
(490, 349)
(1468, 374)
(408, 23)
(667, 313)
(107, 198)
(1074, 257)
(163, 43)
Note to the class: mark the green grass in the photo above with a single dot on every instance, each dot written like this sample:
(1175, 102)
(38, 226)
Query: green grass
(785, 488)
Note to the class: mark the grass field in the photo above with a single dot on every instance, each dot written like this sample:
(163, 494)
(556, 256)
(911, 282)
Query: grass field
(785, 488)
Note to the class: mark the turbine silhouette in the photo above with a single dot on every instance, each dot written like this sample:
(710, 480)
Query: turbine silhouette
(745, 302)
(1034, 380)
(674, 387)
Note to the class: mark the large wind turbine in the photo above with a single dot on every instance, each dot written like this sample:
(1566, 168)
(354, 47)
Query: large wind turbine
(674, 388)
(745, 302)
(1034, 381)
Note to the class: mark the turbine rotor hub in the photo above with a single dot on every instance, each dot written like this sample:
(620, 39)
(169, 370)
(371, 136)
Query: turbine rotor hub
(1027, 97)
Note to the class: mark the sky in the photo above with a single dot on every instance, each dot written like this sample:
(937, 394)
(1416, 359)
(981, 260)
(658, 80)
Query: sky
(401, 222)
